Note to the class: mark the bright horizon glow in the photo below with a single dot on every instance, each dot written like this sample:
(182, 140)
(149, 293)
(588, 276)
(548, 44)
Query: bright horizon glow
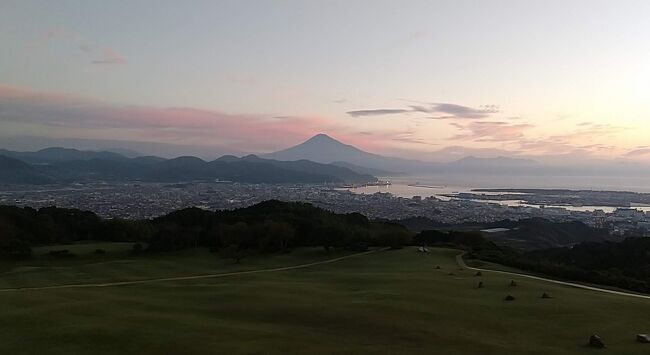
(431, 80)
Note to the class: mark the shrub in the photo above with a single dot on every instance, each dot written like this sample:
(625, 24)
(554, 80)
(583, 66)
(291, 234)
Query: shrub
(62, 253)
(137, 248)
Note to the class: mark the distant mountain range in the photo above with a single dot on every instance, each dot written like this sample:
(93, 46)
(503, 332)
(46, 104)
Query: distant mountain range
(317, 160)
(366, 170)
(325, 149)
(51, 155)
(70, 165)
(14, 171)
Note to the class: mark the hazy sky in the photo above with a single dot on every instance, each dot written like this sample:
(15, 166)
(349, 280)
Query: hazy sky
(409, 78)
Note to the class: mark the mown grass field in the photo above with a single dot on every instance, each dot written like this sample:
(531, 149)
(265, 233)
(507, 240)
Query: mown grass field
(392, 302)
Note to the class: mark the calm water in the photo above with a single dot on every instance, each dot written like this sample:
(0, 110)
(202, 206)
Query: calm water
(611, 183)
(438, 185)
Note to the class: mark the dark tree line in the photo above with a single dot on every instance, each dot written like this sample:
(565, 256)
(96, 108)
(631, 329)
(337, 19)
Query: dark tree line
(268, 227)
(273, 226)
(276, 227)
(623, 264)
(23, 228)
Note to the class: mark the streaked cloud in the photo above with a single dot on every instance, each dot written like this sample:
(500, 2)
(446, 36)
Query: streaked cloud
(639, 152)
(97, 54)
(32, 113)
(579, 139)
(442, 110)
(27, 112)
(85, 47)
(68, 114)
(459, 111)
(491, 131)
(109, 56)
(376, 112)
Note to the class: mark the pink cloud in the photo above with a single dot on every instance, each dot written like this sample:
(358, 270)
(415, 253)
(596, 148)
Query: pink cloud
(48, 114)
(585, 138)
(180, 125)
(639, 152)
(491, 131)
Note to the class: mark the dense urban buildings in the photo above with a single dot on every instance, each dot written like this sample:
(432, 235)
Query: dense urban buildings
(146, 200)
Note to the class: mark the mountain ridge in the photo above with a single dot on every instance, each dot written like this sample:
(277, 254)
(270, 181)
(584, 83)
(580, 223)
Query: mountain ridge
(325, 149)
(69, 165)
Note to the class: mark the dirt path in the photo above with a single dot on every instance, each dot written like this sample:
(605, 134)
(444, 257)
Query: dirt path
(183, 278)
(461, 263)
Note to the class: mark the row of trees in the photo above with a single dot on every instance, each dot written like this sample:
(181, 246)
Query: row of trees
(623, 264)
(268, 227)
(276, 227)
(273, 226)
(22, 228)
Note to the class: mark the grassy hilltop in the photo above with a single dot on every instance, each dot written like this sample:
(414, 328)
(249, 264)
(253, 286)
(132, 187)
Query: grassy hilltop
(390, 302)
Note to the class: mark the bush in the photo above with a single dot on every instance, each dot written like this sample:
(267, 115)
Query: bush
(137, 248)
(359, 247)
(16, 249)
(62, 253)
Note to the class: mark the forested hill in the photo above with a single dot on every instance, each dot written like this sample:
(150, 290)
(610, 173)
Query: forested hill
(277, 227)
(525, 234)
(540, 233)
(624, 264)
(270, 226)
(14, 171)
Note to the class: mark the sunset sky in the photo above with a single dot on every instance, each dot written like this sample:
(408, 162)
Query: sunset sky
(424, 79)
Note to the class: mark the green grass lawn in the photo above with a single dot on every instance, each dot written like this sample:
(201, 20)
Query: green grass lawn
(392, 302)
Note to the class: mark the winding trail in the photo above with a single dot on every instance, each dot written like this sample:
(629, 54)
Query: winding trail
(461, 263)
(194, 277)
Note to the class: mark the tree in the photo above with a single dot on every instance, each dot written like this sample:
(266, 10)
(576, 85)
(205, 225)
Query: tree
(137, 249)
(11, 245)
(237, 241)
(276, 236)
(331, 235)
